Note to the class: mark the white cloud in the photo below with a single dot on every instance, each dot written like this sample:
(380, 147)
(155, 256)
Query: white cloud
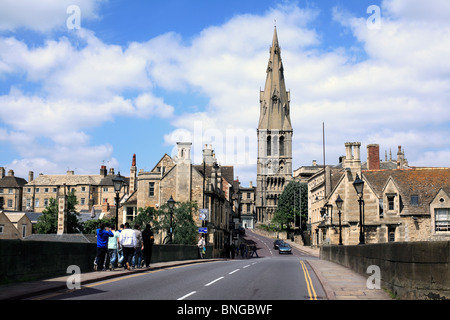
(43, 15)
(398, 95)
(68, 91)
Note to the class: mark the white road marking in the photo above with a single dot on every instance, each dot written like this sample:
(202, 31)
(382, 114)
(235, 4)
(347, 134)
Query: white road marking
(234, 271)
(187, 295)
(208, 284)
(246, 266)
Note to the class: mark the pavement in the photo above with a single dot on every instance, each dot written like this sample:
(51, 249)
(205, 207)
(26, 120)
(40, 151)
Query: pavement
(339, 282)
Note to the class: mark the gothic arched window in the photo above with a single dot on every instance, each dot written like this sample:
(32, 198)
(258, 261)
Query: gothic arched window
(269, 146)
(281, 148)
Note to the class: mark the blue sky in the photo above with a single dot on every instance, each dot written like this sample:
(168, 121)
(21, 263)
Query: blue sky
(137, 76)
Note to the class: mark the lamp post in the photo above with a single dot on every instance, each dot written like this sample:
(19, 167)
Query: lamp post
(339, 203)
(359, 187)
(171, 204)
(117, 183)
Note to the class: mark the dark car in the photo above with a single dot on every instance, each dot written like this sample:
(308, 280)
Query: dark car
(276, 244)
(284, 248)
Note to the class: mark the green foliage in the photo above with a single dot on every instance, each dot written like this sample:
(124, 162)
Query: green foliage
(292, 203)
(148, 215)
(48, 221)
(185, 231)
(91, 226)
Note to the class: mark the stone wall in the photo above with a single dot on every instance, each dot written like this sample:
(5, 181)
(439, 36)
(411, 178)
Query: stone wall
(411, 270)
(30, 260)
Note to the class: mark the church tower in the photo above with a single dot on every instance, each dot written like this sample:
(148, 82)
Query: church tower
(274, 163)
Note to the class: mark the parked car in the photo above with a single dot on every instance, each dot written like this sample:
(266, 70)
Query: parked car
(277, 243)
(284, 248)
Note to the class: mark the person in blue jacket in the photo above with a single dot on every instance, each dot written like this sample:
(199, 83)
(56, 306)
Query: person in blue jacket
(103, 234)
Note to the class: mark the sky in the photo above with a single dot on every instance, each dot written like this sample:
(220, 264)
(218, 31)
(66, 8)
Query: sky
(85, 83)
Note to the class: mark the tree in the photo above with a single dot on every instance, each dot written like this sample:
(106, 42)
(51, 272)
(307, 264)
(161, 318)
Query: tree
(91, 226)
(148, 215)
(293, 203)
(185, 230)
(48, 221)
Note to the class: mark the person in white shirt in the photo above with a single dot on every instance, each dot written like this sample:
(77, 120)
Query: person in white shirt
(128, 241)
(201, 246)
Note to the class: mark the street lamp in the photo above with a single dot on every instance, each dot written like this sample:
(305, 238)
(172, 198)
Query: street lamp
(171, 204)
(117, 183)
(359, 187)
(339, 203)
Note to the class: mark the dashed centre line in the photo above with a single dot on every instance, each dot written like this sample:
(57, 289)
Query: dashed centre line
(214, 281)
(210, 283)
(187, 295)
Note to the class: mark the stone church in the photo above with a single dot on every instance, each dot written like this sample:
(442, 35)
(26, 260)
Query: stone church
(274, 162)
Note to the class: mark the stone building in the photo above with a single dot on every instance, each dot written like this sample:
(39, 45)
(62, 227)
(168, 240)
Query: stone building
(274, 134)
(208, 184)
(247, 204)
(400, 204)
(11, 190)
(93, 191)
(14, 225)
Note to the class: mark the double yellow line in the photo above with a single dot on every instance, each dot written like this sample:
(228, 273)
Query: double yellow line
(311, 291)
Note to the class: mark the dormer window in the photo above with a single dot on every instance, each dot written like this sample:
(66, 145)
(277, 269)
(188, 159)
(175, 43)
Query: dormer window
(414, 200)
(391, 202)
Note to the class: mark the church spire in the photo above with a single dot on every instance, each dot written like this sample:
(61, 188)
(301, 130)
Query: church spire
(275, 100)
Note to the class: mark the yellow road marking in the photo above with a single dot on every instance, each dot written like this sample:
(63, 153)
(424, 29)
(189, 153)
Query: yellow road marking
(308, 282)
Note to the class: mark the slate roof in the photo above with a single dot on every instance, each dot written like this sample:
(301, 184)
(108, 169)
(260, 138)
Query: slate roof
(12, 182)
(227, 171)
(424, 182)
(70, 180)
(108, 180)
(74, 180)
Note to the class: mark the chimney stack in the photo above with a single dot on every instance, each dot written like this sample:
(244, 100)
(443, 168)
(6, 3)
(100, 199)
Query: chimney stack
(30, 176)
(133, 174)
(373, 157)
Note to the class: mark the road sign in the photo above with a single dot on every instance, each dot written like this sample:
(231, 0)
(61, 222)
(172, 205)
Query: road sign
(202, 230)
(203, 214)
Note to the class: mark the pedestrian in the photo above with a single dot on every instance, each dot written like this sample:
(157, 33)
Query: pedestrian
(113, 246)
(147, 242)
(254, 251)
(227, 250)
(103, 233)
(120, 251)
(201, 246)
(233, 250)
(242, 248)
(137, 259)
(127, 241)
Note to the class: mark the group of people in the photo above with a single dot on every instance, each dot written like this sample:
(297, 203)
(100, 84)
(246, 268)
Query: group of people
(125, 247)
(244, 249)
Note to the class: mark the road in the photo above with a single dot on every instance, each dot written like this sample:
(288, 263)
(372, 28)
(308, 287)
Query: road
(270, 277)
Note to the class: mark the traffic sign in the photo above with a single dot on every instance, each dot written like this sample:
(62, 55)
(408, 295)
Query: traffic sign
(203, 230)
(203, 214)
